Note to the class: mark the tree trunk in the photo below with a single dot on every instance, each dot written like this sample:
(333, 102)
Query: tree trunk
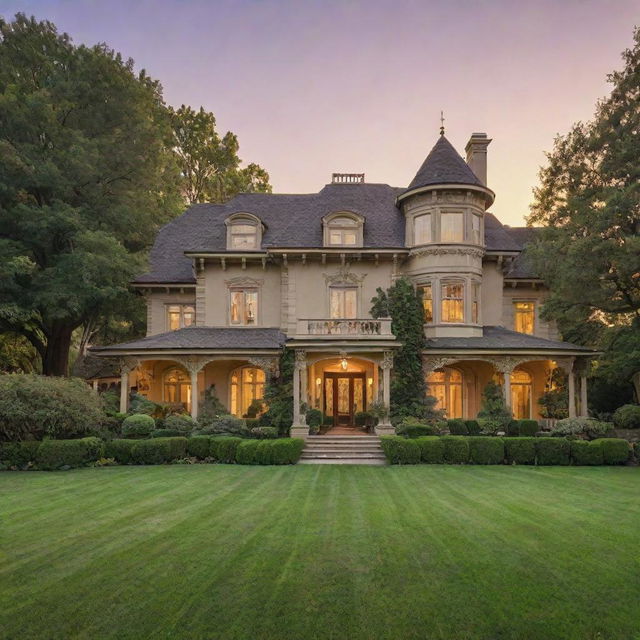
(56, 357)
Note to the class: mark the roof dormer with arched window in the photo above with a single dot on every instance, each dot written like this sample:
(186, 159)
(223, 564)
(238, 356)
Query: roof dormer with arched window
(343, 229)
(244, 232)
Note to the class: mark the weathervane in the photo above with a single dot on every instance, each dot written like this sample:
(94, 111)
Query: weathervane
(442, 123)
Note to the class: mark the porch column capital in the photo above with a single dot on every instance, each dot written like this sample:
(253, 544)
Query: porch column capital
(193, 364)
(300, 359)
(387, 361)
(565, 363)
(506, 364)
(127, 364)
(430, 364)
(270, 365)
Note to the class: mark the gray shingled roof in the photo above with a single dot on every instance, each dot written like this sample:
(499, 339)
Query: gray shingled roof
(205, 338)
(90, 366)
(499, 338)
(521, 267)
(444, 165)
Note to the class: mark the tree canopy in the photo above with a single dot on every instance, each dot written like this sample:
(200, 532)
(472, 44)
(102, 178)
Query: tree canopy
(588, 203)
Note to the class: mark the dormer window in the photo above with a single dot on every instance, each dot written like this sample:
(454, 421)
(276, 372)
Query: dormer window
(343, 230)
(244, 232)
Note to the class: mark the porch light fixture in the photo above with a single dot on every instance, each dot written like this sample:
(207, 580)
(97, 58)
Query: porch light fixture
(344, 364)
(318, 381)
(369, 381)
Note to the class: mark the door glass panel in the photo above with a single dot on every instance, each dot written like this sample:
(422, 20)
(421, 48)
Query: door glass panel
(358, 395)
(328, 396)
(343, 395)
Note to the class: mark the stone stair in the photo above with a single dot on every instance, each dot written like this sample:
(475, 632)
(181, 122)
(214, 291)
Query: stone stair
(343, 450)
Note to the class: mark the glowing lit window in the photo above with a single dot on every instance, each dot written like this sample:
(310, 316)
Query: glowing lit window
(177, 388)
(244, 306)
(247, 386)
(427, 301)
(343, 302)
(475, 302)
(524, 314)
(475, 229)
(452, 227)
(453, 302)
(180, 316)
(521, 395)
(422, 229)
(243, 236)
(445, 386)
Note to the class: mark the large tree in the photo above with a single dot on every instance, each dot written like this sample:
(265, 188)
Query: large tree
(87, 175)
(209, 165)
(588, 203)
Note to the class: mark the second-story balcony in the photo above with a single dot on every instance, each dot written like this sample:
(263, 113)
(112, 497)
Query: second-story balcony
(341, 328)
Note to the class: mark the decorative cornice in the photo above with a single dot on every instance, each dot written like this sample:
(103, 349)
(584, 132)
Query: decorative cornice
(343, 275)
(243, 281)
(474, 252)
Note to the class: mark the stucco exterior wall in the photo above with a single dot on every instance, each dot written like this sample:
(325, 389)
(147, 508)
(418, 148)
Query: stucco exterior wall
(157, 308)
(492, 287)
(542, 328)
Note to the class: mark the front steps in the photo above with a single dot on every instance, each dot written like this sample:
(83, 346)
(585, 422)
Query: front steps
(343, 450)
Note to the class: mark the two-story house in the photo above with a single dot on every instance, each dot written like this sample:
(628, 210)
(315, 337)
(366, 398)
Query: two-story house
(230, 285)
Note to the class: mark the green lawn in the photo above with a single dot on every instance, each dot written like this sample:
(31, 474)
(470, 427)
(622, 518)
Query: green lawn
(310, 552)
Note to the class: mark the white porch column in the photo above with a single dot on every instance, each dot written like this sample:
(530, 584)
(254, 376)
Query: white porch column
(299, 428)
(195, 395)
(194, 364)
(124, 391)
(507, 389)
(584, 407)
(385, 426)
(572, 394)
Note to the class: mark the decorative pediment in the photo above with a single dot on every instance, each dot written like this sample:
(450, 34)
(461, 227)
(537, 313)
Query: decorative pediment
(344, 276)
(243, 281)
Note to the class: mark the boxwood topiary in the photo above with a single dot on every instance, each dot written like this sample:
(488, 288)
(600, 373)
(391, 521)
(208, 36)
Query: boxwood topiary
(247, 452)
(520, 450)
(552, 451)
(614, 450)
(457, 427)
(399, 450)
(584, 452)
(181, 423)
(456, 449)
(431, 449)
(486, 450)
(165, 433)
(512, 428)
(119, 450)
(528, 427)
(627, 416)
(199, 446)
(138, 425)
(54, 454)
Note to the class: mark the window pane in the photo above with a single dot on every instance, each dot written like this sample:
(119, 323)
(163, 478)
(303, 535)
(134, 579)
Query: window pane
(335, 237)
(174, 320)
(349, 237)
(475, 226)
(243, 241)
(188, 316)
(343, 222)
(236, 306)
(350, 303)
(243, 228)
(427, 302)
(343, 302)
(250, 307)
(524, 317)
(453, 303)
(451, 227)
(422, 230)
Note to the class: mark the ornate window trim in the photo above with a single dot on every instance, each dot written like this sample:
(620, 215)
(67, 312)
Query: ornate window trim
(342, 221)
(244, 285)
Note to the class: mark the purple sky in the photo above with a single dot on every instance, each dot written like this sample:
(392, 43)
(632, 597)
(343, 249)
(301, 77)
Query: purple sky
(312, 86)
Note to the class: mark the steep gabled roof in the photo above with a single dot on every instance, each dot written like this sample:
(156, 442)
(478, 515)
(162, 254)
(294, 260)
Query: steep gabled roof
(444, 165)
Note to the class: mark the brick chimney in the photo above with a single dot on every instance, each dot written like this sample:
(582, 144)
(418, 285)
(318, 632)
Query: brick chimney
(477, 155)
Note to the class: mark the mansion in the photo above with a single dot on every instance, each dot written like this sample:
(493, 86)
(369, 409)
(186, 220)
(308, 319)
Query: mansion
(232, 285)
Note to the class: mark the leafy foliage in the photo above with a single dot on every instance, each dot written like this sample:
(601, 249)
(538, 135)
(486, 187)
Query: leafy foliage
(627, 417)
(54, 454)
(139, 425)
(554, 402)
(494, 409)
(589, 427)
(278, 395)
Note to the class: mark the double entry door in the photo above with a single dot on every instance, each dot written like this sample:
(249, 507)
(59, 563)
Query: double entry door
(344, 396)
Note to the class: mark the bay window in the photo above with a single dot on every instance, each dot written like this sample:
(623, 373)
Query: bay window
(426, 295)
(422, 229)
(475, 302)
(475, 229)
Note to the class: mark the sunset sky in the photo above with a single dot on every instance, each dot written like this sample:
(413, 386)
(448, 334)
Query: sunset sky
(312, 87)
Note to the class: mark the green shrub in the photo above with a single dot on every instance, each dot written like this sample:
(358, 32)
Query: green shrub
(636, 450)
(223, 448)
(399, 450)
(226, 425)
(141, 405)
(614, 450)
(181, 423)
(199, 446)
(528, 428)
(251, 423)
(53, 454)
(139, 425)
(18, 454)
(627, 416)
(314, 417)
(165, 433)
(552, 451)
(491, 426)
(457, 427)
(33, 407)
(456, 449)
(247, 452)
(263, 452)
(513, 428)
(120, 450)
(483, 450)
(264, 432)
(473, 427)
(159, 450)
(286, 450)
(520, 450)
(580, 426)
(431, 449)
(414, 428)
(584, 452)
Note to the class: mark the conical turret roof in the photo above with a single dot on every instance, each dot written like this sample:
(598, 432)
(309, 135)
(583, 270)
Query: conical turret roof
(444, 165)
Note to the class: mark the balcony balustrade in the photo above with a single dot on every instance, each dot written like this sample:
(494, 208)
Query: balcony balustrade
(356, 328)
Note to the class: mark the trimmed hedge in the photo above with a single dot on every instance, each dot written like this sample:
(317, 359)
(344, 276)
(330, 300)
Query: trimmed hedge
(456, 449)
(18, 454)
(418, 430)
(166, 433)
(199, 447)
(286, 450)
(528, 428)
(584, 452)
(399, 450)
(159, 450)
(431, 449)
(512, 429)
(54, 454)
(247, 452)
(552, 451)
(457, 427)
(485, 450)
(138, 425)
(614, 450)
(263, 452)
(520, 450)
(223, 448)
(119, 450)
(280, 451)
(473, 427)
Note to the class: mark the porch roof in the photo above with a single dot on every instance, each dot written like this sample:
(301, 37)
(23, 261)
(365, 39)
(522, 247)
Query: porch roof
(500, 339)
(201, 339)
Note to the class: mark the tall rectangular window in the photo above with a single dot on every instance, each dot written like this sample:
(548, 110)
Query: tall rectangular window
(453, 302)
(475, 229)
(422, 229)
(475, 302)
(343, 302)
(427, 301)
(524, 313)
(180, 316)
(452, 227)
(244, 306)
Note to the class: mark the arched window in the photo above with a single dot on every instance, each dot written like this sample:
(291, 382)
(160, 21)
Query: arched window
(446, 386)
(521, 394)
(247, 385)
(177, 387)
(343, 230)
(244, 232)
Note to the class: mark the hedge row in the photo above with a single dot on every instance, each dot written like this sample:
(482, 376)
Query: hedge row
(523, 450)
(57, 454)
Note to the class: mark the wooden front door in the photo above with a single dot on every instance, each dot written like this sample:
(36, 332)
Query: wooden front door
(344, 396)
